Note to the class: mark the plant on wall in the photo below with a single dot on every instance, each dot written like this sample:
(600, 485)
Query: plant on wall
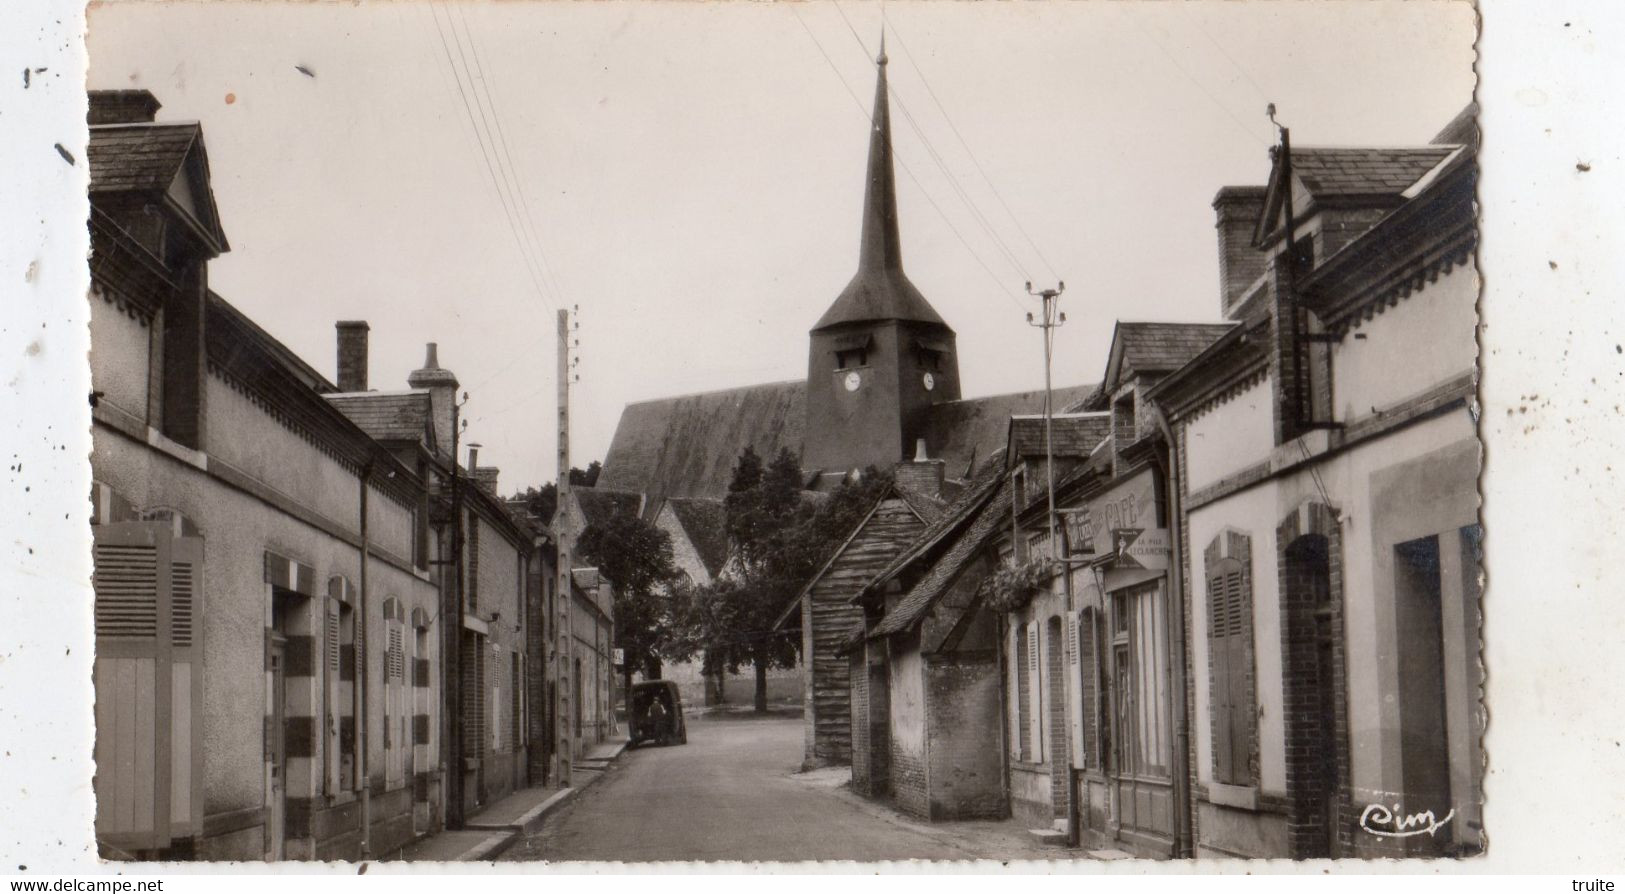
(1013, 585)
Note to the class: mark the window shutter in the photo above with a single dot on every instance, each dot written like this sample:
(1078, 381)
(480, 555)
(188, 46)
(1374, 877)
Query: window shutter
(1219, 688)
(1034, 687)
(148, 684)
(330, 639)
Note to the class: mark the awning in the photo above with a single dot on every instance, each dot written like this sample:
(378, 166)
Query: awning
(935, 346)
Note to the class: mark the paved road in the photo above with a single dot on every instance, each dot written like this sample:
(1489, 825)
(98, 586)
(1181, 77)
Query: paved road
(732, 793)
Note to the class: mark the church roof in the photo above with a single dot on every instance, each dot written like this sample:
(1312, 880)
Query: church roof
(880, 290)
(600, 504)
(965, 432)
(686, 446)
(705, 521)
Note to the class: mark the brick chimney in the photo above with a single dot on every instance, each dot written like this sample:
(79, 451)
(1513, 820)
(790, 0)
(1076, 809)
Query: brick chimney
(1237, 209)
(442, 387)
(352, 363)
(122, 107)
(486, 478)
(922, 474)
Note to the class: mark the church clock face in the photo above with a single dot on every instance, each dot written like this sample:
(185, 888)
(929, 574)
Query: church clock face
(853, 380)
(929, 381)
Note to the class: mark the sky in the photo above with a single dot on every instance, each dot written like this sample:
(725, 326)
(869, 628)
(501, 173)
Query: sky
(690, 175)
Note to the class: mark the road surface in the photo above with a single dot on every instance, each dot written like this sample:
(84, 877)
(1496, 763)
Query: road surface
(732, 793)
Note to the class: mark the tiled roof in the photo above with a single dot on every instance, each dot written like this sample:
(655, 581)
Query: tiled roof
(1070, 435)
(952, 518)
(706, 523)
(138, 156)
(915, 605)
(686, 446)
(963, 432)
(1369, 171)
(1163, 347)
(389, 415)
(599, 504)
(925, 506)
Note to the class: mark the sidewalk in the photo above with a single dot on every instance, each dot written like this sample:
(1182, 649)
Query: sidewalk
(496, 827)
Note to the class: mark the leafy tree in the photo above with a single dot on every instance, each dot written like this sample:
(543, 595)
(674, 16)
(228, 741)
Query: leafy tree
(542, 501)
(636, 558)
(779, 539)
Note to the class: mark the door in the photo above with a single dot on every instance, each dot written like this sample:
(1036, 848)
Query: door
(277, 752)
(1141, 777)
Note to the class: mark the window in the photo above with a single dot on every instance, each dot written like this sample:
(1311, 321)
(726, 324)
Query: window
(1123, 431)
(1140, 665)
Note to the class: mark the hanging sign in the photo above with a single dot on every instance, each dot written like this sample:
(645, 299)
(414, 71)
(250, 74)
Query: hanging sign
(1147, 548)
(618, 657)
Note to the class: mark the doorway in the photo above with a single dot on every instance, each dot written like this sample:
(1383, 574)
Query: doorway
(1141, 774)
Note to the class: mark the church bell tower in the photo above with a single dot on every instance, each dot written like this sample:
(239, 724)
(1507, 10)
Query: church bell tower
(881, 355)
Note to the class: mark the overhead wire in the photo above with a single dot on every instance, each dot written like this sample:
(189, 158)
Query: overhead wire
(1031, 243)
(931, 151)
(1197, 82)
(864, 111)
(490, 168)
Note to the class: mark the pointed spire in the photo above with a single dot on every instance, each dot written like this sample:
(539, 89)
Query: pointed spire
(880, 290)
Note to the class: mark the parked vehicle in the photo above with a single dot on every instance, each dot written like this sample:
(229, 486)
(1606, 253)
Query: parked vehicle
(657, 714)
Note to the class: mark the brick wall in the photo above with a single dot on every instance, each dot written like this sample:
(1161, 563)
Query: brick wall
(858, 677)
(1309, 562)
(966, 764)
(908, 782)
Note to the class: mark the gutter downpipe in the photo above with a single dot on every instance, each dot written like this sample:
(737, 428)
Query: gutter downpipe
(365, 772)
(1183, 846)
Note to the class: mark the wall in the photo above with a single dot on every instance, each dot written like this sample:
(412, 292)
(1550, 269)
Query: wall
(120, 344)
(1425, 339)
(962, 697)
(1231, 436)
(906, 691)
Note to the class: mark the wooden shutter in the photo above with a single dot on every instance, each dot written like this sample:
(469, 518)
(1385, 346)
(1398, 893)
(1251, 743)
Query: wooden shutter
(149, 684)
(1035, 711)
(330, 693)
(1229, 629)
(1074, 701)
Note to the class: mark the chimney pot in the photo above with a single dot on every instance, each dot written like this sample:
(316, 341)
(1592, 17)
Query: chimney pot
(919, 451)
(352, 359)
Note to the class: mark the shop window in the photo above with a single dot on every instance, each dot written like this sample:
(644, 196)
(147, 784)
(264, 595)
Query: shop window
(1142, 738)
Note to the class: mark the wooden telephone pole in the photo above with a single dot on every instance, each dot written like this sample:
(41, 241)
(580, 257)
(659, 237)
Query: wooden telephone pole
(563, 646)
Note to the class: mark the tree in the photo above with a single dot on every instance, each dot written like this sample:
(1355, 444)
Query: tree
(779, 539)
(636, 558)
(542, 502)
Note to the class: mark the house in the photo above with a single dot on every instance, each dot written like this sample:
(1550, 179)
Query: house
(1328, 461)
(824, 611)
(266, 619)
(589, 637)
(924, 672)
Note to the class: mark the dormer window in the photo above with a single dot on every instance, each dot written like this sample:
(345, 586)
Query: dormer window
(1123, 421)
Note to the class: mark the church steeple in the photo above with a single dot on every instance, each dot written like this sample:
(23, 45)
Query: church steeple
(880, 357)
(880, 290)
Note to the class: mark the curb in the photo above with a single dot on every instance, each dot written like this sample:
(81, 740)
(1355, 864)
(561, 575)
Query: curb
(506, 835)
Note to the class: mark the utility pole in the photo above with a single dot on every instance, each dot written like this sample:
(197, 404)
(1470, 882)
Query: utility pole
(564, 647)
(1049, 323)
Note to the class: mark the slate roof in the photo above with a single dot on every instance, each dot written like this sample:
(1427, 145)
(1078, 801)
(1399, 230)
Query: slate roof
(706, 523)
(600, 504)
(951, 519)
(914, 606)
(138, 156)
(387, 415)
(1070, 434)
(1365, 171)
(966, 432)
(686, 446)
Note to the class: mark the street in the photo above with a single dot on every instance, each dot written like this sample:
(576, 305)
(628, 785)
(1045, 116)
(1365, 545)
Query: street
(733, 793)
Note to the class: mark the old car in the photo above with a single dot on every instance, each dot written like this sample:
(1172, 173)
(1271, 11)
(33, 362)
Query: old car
(657, 713)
